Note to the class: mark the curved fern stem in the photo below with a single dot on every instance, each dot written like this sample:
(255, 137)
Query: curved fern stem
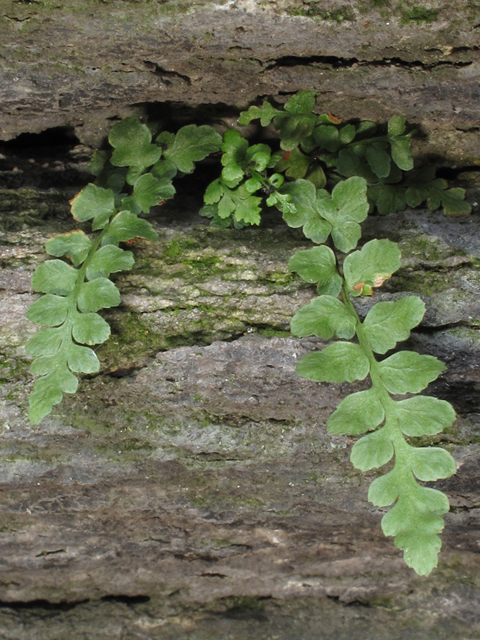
(415, 520)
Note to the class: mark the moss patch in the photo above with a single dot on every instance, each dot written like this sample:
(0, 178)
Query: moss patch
(30, 207)
(197, 286)
(421, 247)
(13, 368)
(419, 15)
(339, 14)
(418, 281)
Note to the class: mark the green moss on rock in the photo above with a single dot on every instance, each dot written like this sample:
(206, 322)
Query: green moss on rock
(30, 207)
(419, 15)
(313, 10)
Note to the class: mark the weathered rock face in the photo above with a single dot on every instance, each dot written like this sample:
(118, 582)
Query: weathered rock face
(190, 490)
(80, 64)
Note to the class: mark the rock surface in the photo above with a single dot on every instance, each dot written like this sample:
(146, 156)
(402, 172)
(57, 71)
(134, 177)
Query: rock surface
(80, 65)
(190, 490)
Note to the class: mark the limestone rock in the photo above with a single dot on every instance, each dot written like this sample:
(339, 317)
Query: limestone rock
(80, 65)
(190, 490)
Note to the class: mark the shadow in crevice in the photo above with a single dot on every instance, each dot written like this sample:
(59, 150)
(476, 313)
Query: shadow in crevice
(43, 605)
(126, 599)
(54, 138)
(244, 608)
(50, 159)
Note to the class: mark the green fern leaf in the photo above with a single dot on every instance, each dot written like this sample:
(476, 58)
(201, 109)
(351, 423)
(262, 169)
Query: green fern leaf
(81, 359)
(45, 342)
(100, 293)
(214, 192)
(150, 191)
(372, 265)
(48, 391)
(424, 415)
(344, 209)
(356, 414)
(131, 141)
(327, 137)
(431, 463)
(90, 328)
(49, 310)
(302, 103)
(390, 322)
(396, 126)
(324, 317)
(109, 259)
(97, 162)
(318, 265)
(372, 451)
(303, 196)
(401, 153)
(265, 114)
(415, 522)
(54, 276)
(94, 203)
(338, 362)
(75, 245)
(126, 226)
(294, 164)
(192, 144)
(409, 372)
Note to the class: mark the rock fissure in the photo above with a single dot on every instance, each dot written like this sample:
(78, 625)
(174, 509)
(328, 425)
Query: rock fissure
(432, 330)
(46, 605)
(164, 74)
(348, 63)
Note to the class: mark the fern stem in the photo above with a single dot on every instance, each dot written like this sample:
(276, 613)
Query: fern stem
(73, 297)
(391, 422)
(83, 269)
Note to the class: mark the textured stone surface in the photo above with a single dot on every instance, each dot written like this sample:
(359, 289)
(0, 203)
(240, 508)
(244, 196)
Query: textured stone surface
(79, 63)
(190, 490)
